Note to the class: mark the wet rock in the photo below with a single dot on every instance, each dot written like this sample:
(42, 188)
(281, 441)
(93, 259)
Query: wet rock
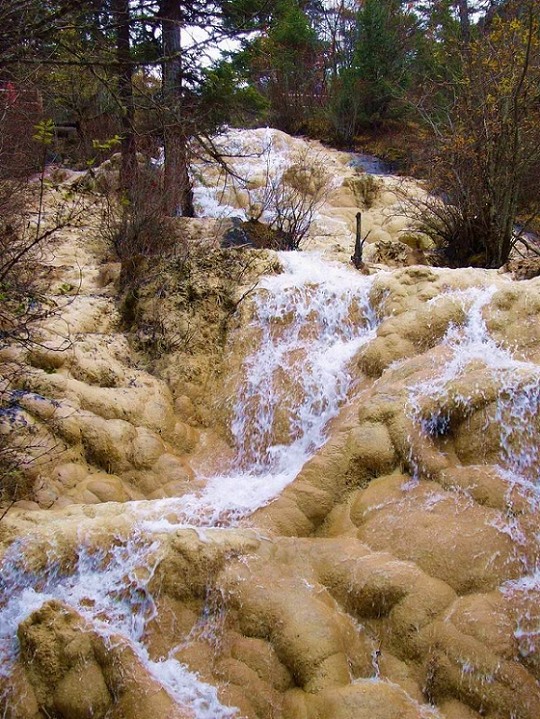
(262, 659)
(487, 618)
(105, 487)
(18, 700)
(393, 578)
(255, 234)
(314, 643)
(76, 674)
(435, 529)
(524, 268)
(385, 251)
(460, 665)
(61, 664)
(371, 452)
(364, 700)
(488, 486)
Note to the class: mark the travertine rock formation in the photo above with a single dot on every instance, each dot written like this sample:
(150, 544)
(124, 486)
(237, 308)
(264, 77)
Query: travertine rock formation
(71, 671)
(394, 577)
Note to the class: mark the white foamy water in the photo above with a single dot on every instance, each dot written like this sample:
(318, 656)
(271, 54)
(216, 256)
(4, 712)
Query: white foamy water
(312, 319)
(517, 416)
(259, 160)
(524, 593)
(517, 407)
(110, 589)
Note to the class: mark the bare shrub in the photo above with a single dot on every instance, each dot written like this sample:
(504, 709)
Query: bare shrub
(20, 111)
(288, 201)
(484, 147)
(455, 234)
(143, 239)
(23, 305)
(135, 224)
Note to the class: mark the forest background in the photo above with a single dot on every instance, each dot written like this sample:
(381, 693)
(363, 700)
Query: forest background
(447, 90)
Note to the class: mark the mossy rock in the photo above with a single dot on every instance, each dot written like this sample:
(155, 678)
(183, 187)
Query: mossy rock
(416, 241)
(365, 189)
(256, 234)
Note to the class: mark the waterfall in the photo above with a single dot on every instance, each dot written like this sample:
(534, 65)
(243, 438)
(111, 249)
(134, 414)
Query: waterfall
(517, 407)
(516, 414)
(312, 319)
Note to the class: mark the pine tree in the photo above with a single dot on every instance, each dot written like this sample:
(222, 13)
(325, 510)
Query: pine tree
(285, 66)
(370, 90)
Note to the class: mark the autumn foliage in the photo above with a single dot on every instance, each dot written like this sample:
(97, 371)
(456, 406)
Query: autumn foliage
(485, 137)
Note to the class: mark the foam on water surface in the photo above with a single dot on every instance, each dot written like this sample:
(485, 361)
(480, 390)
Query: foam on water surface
(259, 160)
(109, 589)
(333, 304)
(312, 319)
(517, 416)
(523, 593)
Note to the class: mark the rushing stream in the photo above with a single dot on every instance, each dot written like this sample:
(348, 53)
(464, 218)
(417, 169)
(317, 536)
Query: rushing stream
(312, 319)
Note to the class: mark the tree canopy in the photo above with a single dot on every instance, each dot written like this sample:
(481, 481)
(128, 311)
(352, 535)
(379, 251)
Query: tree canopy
(459, 77)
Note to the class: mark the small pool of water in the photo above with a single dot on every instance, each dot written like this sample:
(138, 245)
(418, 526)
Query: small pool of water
(371, 164)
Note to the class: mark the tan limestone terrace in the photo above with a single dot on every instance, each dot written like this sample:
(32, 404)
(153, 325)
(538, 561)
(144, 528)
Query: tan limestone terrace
(320, 502)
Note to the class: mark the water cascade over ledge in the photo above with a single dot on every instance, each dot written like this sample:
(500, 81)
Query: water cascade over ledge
(312, 320)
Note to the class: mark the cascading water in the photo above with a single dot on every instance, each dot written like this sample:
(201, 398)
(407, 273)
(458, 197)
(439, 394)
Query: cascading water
(312, 319)
(517, 405)
(516, 413)
(261, 152)
(110, 589)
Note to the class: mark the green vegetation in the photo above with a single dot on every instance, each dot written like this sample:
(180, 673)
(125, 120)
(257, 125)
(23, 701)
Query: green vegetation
(450, 87)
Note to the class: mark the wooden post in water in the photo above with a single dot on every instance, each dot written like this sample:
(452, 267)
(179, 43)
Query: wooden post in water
(359, 244)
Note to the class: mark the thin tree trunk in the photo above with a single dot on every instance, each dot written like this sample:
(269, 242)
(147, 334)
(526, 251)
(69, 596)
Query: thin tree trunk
(464, 21)
(178, 193)
(129, 167)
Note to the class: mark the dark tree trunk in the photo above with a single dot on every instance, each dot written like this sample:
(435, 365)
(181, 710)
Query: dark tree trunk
(464, 21)
(178, 193)
(128, 168)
